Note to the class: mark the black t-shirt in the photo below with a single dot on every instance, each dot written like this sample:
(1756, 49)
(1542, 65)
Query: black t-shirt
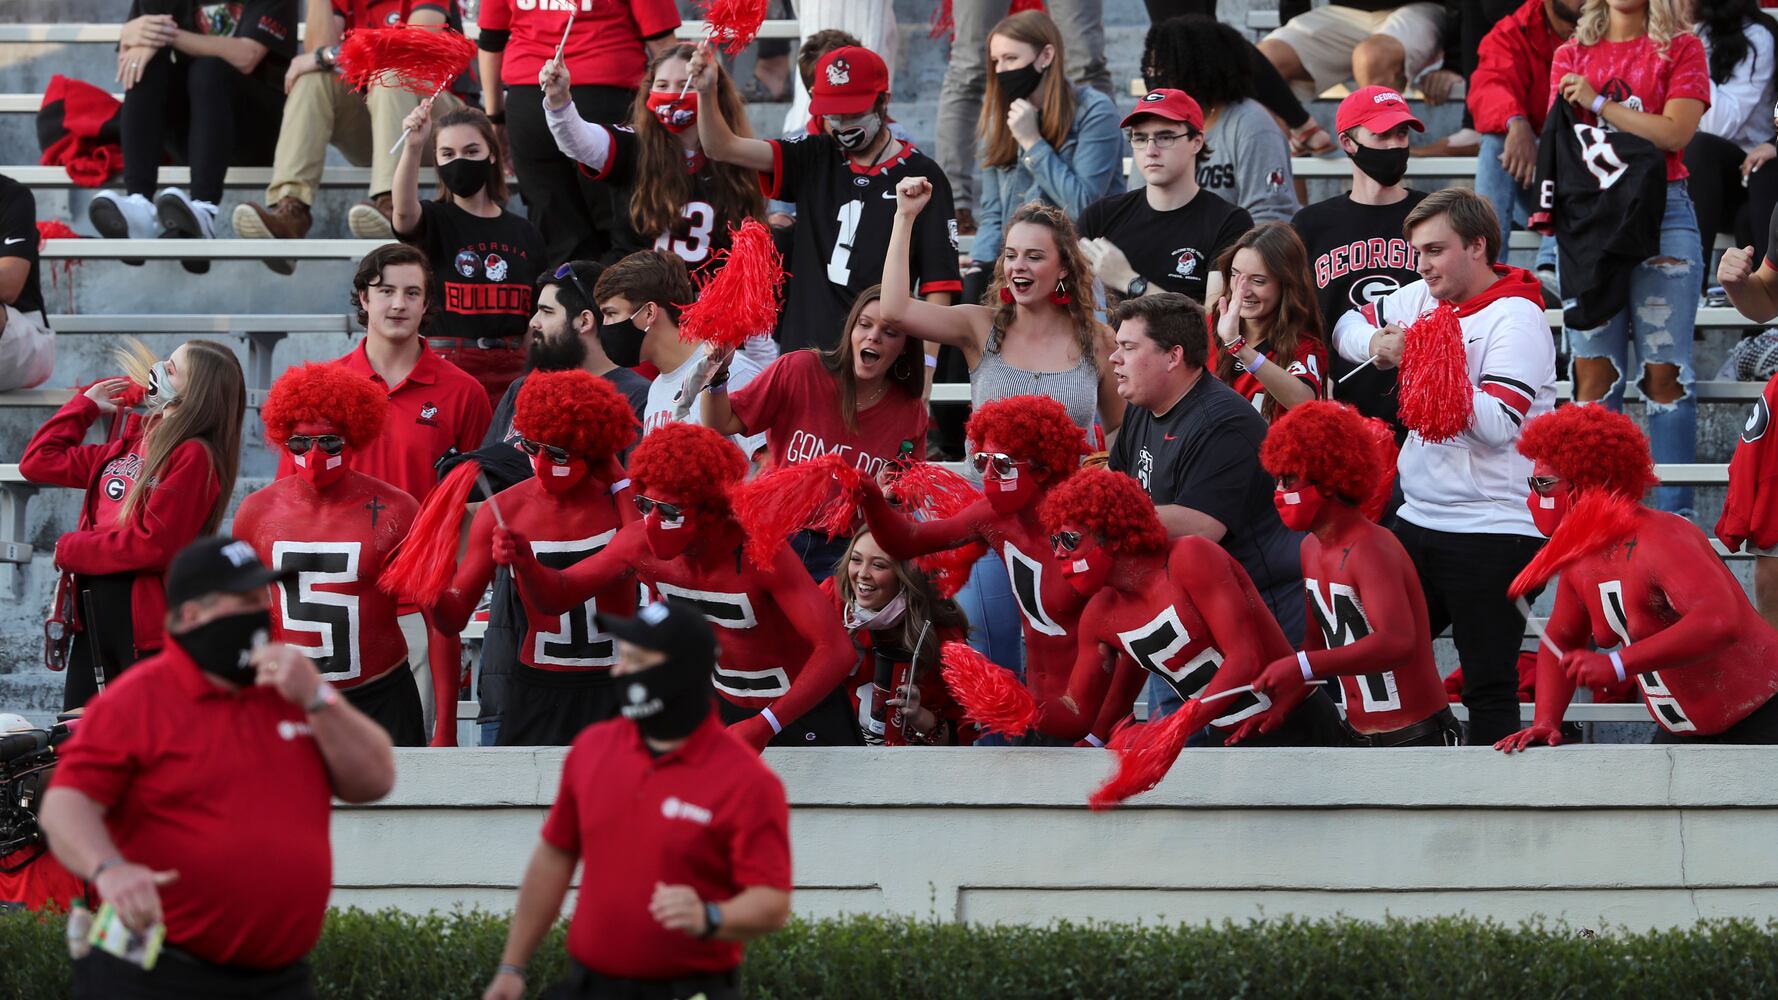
(271, 23)
(700, 236)
(844, 214)
(485, 270)
(1357, 254)
(18, 238)
(1173, 250)
(1204, 454)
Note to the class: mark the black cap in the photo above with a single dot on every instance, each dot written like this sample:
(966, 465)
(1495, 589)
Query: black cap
(673, 627)
(217, 565)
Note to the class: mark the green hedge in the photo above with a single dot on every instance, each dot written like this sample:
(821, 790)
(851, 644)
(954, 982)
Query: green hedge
(392, 954)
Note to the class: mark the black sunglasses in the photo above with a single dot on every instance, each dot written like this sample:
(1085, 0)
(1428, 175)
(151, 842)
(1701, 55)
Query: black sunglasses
(1289, 482)
(299, 444)
(669, 512)
(566, 273)
(1067, 541)
(557, 455)
(1003, 464)
(1542, 485)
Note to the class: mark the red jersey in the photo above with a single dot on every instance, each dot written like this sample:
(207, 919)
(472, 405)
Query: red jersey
(1511, 76)
(382, 13)
(795, 402)
(436, 408)
(1368, 611)
(225, 787)
(1636, 75)
(604, 47)
(710, 815)
(39, 885)
(338, 541)
(935, 697)
(1307, 364)
(170, 518)
(1750, 514)
(562, 531)
(1702, 656)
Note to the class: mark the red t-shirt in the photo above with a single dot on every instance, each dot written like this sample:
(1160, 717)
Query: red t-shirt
(382, 13)
(1635, 74)
(1308, 364)
(710, 815)
(226, 788)
(436, 408)
(796, 404)
(604, 48)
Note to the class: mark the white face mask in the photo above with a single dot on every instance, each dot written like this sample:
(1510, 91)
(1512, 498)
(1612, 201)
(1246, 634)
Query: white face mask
(160, 387)
(854, 132)
(886, 616)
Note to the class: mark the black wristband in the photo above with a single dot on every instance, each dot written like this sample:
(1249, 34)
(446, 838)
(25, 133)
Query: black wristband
(109, 863)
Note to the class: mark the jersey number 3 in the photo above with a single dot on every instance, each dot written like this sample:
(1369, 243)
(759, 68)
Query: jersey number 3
(694, 249)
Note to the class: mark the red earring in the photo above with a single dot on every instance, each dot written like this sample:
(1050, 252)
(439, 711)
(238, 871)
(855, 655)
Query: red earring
(1060, 296)
(1005, 295)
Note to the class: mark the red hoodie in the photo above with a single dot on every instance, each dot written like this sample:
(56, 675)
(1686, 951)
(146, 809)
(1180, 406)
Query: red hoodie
(171, 517)
(1748, 515)
(1512, 74)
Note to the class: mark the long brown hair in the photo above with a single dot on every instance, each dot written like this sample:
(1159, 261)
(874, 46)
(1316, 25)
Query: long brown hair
(923, 605)
(839, 360)
(208, 411)
(662, 186)
(1079, 280)
(1298, 317)
(1054, 97)
(474, 118)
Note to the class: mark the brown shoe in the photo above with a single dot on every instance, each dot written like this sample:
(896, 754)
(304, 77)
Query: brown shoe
(371, 220)
(289, 219)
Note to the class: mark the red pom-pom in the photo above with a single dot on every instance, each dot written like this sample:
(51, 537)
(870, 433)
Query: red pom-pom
(1598, 520)
(1436, 395)
(991, 695)
(939, 493)
(733, 24)
(426, 559)
(1146, 754)
(1382, 438)
(740, 300)
(793, 497)
(418, 60)
(54, 229)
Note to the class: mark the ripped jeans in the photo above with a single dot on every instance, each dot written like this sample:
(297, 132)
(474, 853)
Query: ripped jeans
(1663, 307)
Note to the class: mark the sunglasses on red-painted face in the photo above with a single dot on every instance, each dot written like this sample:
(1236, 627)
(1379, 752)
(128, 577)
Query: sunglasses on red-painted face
(669, 512)
(557, 455)
(1003, 464)
(1067, 541)
(1543, 486)
(299, 444)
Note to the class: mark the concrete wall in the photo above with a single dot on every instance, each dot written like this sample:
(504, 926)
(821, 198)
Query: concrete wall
(1639, 836)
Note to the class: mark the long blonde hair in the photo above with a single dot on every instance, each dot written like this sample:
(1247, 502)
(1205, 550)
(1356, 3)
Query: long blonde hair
(209, 411)
(1054, 96)
(1661, 18)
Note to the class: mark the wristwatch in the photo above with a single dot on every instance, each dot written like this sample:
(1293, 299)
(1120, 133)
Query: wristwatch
(1137, 286)
(712, 921)
(325, 696)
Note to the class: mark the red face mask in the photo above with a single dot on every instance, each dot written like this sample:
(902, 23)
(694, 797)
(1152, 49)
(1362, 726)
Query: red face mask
(1547, 512)
(675, 113)
(1085, 568)
(1299, 508)
(320, 469)
(668, 539)
(558, 479)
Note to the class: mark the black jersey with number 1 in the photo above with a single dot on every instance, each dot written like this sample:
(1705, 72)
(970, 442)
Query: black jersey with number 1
(844, 214)
(699, 236)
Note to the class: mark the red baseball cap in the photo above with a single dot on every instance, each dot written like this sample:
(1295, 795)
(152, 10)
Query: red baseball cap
(1173, 105)
(848, 81)
(1376, 108)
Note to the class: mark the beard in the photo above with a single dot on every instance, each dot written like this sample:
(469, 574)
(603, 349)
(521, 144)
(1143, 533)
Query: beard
(549, 354)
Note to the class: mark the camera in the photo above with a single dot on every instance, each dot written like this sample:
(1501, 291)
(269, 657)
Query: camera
(26, 759)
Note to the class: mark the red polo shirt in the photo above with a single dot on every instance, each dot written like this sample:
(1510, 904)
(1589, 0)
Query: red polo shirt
(710, 815)
(226, 788)
(436, 408)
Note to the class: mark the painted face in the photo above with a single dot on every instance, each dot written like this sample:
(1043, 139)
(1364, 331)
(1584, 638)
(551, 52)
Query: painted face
(872, 574)
(1009, 483)
(669, 528)
(1550, 500)
(1084, 563)
(1299, 503)
(556, 469)
(320, 453)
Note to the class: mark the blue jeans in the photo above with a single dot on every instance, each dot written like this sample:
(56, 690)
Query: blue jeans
(1511, 202)
(490, 734)
(996, 627)
(1663, 308)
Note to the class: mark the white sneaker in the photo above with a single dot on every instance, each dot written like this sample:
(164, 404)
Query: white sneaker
(119, 216)
(183, 216)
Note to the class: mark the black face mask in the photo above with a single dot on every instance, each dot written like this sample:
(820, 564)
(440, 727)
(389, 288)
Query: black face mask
(220, 646)
(464, 178)
(1385, 166)
(622, 341)
(547, 354)
(1016, 84)
(668, 700)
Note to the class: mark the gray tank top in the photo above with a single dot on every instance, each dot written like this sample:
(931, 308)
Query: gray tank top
(1077, 389)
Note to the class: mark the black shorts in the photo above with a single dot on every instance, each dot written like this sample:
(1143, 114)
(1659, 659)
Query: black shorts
(178, 976)
(393, 701)
(831, 723)
(583, 983)
(107, 639)
(1759, 728)
(548, 708)
(1314, 723)
(1440, 729)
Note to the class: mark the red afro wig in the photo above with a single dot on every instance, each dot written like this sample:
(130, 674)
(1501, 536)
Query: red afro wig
(324, 394)
(1109, 504)
(1031, 428)
(1326, 443)
(692, 464)
(1593, 448)
(576, 410)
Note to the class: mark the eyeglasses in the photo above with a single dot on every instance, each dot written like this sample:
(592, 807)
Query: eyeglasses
(299, 444)
(557, 455)
(669, 511)
(1161, 140)
(1543, 486)
(1067, 541)
(566, 273)
(1003, 464)
(1289, 482)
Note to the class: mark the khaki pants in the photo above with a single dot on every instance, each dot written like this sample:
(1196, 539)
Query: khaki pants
(322, 111)
(413, 629)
